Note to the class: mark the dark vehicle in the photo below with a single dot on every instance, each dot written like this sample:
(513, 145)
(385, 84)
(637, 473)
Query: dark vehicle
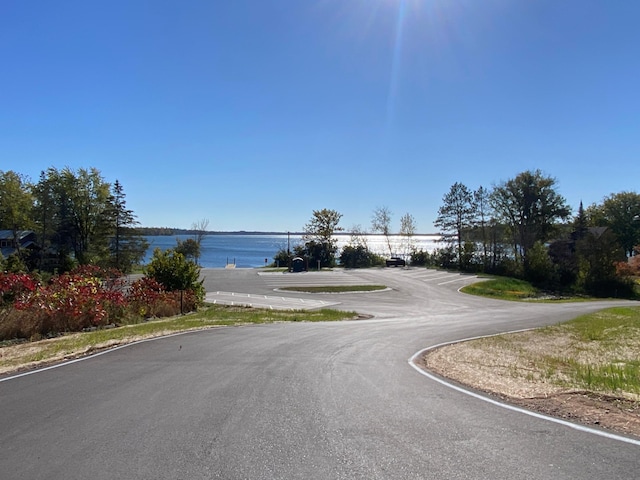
(396, 262)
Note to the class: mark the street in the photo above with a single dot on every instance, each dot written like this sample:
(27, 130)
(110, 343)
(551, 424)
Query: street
(300, 400)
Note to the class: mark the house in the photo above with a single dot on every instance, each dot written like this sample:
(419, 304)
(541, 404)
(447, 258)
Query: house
(26, 240)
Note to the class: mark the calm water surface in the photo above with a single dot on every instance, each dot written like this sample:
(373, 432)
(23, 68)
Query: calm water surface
(250, 251)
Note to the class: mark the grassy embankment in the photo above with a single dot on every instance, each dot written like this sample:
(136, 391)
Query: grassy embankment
(16, 356)
(599, 352)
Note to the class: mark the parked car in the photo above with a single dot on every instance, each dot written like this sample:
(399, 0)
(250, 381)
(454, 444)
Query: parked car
(396, 262)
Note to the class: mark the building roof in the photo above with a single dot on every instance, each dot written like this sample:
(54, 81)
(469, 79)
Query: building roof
(25, 237)
(8, 234)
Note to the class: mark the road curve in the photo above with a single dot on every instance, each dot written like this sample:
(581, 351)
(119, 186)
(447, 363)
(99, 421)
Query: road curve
(298, 401)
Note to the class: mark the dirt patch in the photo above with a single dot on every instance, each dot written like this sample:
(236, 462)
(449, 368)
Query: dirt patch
(503, 376)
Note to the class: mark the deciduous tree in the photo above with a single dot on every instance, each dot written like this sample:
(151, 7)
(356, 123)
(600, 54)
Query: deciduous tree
(621, 212)
(200, 231)
(381, 223)
(407, 232)
(83, 220)
(320, 245)
(16, 204)
(598, 254)
(530, 207)
(44, 214)
(189, 247)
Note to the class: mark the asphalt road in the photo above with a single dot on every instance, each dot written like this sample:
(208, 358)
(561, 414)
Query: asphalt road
(298, 401)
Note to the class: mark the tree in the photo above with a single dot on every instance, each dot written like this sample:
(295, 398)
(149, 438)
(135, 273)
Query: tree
(127, 247)
(482, 221)
(381, 223)
(455, 216)
(621, 213)
(190, 248)
(83, 213)
(598, 254)
(358, 237)
(407, 231)
(530, 207)
(580, 223)
(16, 204)
(44, 213)
(200, 230)
(320, 246)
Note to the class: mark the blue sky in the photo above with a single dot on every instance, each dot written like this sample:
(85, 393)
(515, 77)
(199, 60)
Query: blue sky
(252, 114)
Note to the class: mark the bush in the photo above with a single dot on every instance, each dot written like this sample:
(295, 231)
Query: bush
(470, 261)
(538, 267)
(421, 258)
(14, 286)
(14, 263)
(445, 258)
(630, 267)
(84, 298)
(87, 297)
(18, 324)
(175, 273)
(611, 287)
(358, 257)
(282, 258)
(508, 267)
(147, 299)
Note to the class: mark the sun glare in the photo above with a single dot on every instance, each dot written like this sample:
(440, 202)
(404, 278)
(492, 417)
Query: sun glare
(398, 31)
(395, 61)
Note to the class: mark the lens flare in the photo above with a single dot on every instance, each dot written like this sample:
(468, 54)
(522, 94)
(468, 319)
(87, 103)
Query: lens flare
(395, 62)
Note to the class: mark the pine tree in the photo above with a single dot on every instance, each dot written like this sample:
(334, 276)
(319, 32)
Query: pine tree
(580, 224)
(127, 246)
(455, 216)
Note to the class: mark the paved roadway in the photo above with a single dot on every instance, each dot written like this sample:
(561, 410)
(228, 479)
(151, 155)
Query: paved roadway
(298, 401)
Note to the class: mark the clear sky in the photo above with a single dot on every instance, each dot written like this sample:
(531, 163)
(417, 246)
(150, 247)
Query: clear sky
(254, 113)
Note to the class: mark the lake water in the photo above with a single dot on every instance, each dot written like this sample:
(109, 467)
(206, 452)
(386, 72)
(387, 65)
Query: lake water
(249, 251)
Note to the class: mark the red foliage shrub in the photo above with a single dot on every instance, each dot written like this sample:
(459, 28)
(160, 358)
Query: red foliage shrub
(83, 298)
(630, 268)
(80, 299)
(148, 298)
(144, 297)
(14, 286)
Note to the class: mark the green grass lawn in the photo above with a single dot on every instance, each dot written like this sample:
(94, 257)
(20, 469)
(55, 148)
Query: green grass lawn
(503, 288)
(336, 288)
